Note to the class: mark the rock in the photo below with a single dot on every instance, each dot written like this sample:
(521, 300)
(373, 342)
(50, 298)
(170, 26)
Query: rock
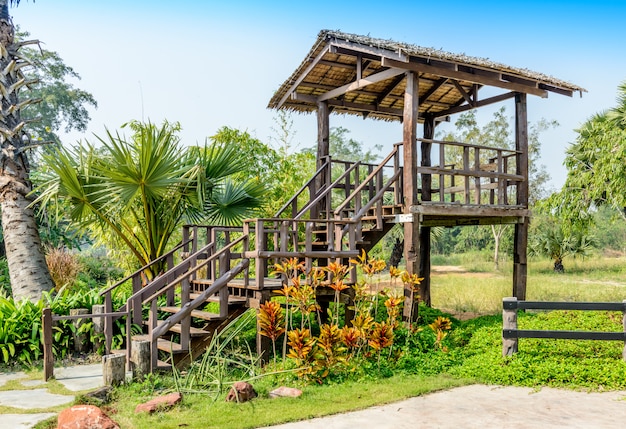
(160, 403)
(241, 392)
(85, 416)
(284, 391)
(99, 396)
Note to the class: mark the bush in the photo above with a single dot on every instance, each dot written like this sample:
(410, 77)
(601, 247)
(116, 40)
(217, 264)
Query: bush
(63, 266)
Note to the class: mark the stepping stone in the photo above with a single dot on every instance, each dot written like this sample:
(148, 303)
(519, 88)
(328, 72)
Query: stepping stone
(19, 421)
(80, 377)
(7, 376)
(29, 399)
(32, 383)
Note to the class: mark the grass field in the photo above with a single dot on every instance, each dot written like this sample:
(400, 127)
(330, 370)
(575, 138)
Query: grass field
(474, 287)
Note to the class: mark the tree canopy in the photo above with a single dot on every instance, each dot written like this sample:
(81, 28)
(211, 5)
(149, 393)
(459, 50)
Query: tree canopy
(596, 166)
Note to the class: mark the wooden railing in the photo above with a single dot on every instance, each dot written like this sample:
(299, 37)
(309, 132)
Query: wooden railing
(178, 280)
(138, 279)
(373, 192)
(510, 333)
(472, 174)
(273, 239)
(299, 203)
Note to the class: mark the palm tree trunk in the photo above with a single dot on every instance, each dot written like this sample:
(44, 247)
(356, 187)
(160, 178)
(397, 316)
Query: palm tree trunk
(28, 270)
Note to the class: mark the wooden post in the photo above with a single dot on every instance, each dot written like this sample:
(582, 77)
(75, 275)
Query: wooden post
(509, 321)
(108, 323)
(424, 264)
(323, 150)
(411, 229)
(80, 339)
(98, 325)
(520, 241)
(48, 357)
(113, 371)
(624, 324)
(140, 359)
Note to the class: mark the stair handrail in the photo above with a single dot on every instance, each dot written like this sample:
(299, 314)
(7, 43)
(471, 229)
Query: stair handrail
(142, 269)
(376, 197)
(158, 283)
(157, 288)
(365, 182)
(328, 189)
(186, 309)
(304, 187)
(193, 270)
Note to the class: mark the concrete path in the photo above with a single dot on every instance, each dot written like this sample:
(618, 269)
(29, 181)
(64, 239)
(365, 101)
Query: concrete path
(486, 407)
(74, 378)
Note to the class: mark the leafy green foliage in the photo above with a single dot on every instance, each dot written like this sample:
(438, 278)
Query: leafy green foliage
(552, 239)
(596, 166)
(20, 330)
(134, 193)
(63, 106)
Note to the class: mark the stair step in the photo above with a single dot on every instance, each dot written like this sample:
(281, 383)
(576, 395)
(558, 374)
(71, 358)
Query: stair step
(163, 366)
(232, 300)
(194, 332)
(194, 313)
(162, 344)
(269, 283)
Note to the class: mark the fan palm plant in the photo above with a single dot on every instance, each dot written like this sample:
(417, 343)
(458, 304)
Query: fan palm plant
(137, 192)
(27, 265)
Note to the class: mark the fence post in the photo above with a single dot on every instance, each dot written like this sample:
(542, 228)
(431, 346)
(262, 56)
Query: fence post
(113, 369)
(98, 325)
(140, 359)
(624, 324)
(80, 338)
(48, 357)
(509, 322)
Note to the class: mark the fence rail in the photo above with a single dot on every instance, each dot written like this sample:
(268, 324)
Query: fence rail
(510, 333)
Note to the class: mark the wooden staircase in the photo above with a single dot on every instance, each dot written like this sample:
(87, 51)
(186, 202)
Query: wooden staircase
(217, 273)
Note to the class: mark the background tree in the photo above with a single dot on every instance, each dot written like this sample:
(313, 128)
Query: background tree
(344, 148)
(550, 238)
(27, 265)
(63, 106)
(596, 167)
(136, 193)
(280, 172)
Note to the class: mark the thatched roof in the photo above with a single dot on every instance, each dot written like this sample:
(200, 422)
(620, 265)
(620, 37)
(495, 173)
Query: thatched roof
(366, 76)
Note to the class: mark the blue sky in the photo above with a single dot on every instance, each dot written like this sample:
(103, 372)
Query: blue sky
(208, 64)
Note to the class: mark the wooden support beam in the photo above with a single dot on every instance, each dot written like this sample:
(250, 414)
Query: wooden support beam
(424, 235)
(520, 241)
(373, 52)
(463, 93)
(481, 77)
(479, 103)
(411, 229)
(361, 83)
(323, 151)
(303, 75)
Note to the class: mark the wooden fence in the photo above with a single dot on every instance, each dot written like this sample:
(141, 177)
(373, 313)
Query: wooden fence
(510, 333)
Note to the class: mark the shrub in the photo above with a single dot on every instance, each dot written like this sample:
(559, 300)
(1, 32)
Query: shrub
(63, 266)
